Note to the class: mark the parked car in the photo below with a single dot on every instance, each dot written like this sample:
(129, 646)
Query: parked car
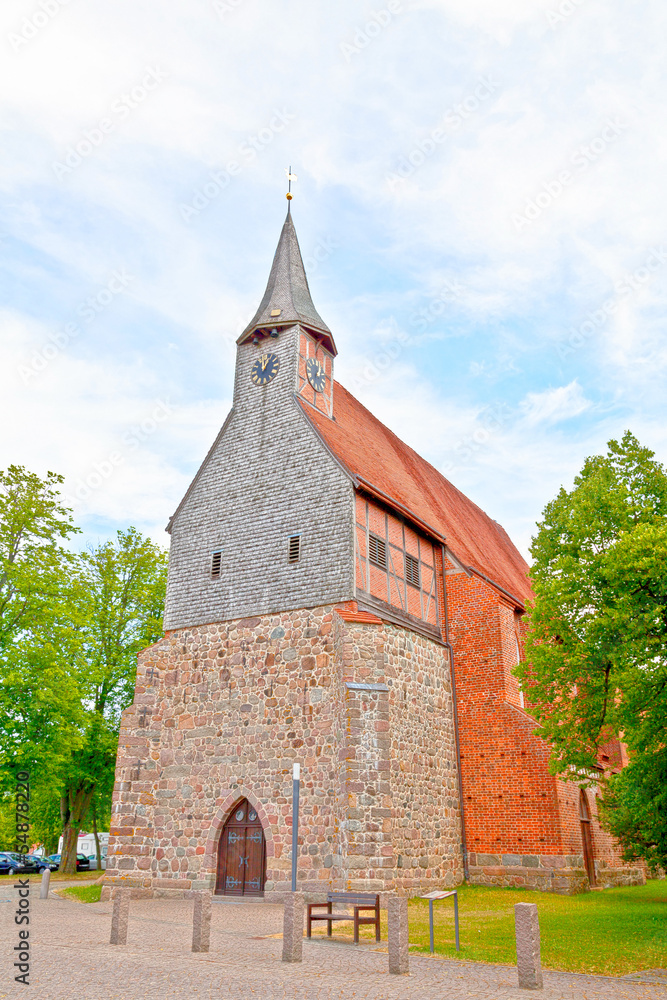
(7, 865)
(82, 862)
(43, 863)
(92, 858)
(23, 864)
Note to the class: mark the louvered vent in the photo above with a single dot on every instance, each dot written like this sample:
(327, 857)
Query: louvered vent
(216, 564)
(412, 570)
(377, 551)
(294, 551)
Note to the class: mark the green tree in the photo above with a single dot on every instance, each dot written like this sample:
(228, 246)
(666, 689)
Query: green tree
(634, 807)
(118, 592)
(70, 629)
(596, 663)
(36, 707)
(32, 560)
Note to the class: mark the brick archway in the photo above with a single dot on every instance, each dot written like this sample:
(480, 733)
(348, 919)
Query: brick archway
(229, 799)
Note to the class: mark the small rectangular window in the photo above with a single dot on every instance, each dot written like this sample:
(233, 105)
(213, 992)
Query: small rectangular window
(377, 551)
(216, 564)
(412, 570)
(294, 550)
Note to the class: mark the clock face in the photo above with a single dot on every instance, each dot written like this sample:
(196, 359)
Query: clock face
(265, 368)
(316, 374)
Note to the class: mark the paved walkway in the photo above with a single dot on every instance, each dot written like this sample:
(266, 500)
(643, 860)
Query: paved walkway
(73, 960)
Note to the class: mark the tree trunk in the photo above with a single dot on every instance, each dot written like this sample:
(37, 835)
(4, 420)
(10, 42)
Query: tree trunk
(78, 804)
(98, 849)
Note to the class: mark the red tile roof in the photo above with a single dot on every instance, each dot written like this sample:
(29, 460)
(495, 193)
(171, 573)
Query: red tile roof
(359, 617)
(383, 464)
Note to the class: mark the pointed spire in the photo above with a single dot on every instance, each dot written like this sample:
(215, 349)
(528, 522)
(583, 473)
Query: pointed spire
(287, 297)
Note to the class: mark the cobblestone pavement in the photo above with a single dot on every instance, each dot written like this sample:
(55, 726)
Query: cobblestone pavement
(72, 959)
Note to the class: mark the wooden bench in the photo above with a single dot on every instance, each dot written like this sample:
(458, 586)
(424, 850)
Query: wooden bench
(359, 901)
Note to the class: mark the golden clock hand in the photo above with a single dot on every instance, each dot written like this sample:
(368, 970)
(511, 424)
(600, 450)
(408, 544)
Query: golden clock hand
(265, 361)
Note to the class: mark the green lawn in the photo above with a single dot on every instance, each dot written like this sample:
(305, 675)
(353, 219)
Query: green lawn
(84, 893)
(55, 877)
(611, 932)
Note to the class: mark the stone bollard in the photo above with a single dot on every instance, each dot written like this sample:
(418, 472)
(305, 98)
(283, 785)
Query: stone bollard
(397, 934)
(119, 916)
(201, 922)
(44, 888)
(293, 927)
(527, 928)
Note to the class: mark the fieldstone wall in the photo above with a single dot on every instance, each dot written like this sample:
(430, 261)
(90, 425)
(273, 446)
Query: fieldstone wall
(563, 874)
(222, 711)
(401, 828)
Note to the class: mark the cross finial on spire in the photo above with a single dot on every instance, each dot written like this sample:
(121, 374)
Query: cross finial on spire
(290, 177)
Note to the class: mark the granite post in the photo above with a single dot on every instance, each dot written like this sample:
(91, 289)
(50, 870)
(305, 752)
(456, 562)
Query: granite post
(527, 928)
(201, 921)
(44, 888)
(119, 916)
(293, 927)
(397, 934)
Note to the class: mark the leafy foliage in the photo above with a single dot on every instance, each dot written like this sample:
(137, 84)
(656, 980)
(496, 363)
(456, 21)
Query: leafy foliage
(119, 591)
(32, 560)
(71, 626)
(596, 664)
(635, 805)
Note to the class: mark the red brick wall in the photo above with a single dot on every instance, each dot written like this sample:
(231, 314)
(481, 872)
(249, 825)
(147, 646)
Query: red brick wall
(511, 801)
(605, 849)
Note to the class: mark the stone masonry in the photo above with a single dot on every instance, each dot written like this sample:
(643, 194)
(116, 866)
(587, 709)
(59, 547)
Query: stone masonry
(222, 711)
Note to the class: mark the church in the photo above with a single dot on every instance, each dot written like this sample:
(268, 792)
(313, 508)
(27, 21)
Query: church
(334, 601)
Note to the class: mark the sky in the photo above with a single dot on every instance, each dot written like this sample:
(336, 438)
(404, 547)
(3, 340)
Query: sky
(480, 205)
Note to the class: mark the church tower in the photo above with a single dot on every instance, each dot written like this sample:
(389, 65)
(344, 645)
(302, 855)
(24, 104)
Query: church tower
(265, 525)
(302, 624)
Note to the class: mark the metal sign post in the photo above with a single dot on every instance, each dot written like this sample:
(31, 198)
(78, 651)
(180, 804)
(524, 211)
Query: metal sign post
(431, 896)
(296, 774)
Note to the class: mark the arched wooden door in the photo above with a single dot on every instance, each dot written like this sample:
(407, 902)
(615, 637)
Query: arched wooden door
(241, 854)
(586, 836)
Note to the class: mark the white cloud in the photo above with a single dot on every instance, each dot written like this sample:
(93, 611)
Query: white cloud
(474, 386)
(554, 405)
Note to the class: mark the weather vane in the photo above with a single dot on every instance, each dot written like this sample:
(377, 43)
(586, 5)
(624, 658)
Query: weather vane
(290, 177)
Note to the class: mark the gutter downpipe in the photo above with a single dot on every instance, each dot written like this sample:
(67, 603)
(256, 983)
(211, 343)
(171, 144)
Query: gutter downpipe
(464, 845)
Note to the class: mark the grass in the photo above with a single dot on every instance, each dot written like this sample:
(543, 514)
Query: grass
(612, 933)
(84, 893)
(55, 877)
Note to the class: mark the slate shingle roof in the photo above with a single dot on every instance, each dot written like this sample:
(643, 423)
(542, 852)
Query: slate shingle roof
(287, 291)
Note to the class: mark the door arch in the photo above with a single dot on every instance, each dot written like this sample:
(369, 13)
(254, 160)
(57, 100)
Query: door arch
(586, 835)
(241, 853)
